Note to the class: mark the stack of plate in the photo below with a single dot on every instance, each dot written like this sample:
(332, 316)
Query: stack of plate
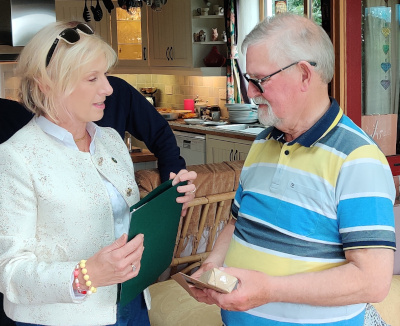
(242, 113)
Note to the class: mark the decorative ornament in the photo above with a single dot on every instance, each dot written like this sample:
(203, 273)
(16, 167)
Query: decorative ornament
(385, 83)
(386, 31)
(223, 36)
(385, 48)
(214, 58)
(214, 35)
(385, 66)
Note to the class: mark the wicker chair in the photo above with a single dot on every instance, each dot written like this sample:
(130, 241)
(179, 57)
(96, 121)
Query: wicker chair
(207, 214)
(186, 233)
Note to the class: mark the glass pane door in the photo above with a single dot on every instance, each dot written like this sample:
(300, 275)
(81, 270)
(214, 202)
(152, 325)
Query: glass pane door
(129, 33)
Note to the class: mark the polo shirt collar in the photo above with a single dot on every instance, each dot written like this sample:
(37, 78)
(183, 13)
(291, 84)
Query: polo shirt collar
(326, 123)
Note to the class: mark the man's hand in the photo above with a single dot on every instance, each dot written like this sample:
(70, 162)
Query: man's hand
(250, 292)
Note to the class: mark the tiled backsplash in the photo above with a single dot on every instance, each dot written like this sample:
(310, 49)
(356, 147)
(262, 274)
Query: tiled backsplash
(208, 89)
(211, 89)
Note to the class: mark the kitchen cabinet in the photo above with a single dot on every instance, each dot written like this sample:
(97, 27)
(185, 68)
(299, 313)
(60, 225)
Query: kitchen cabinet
(155, 40)
(70, 10)
(129, 35)
(125, 31)
(201, 48)
(220, 149)
(170, 34)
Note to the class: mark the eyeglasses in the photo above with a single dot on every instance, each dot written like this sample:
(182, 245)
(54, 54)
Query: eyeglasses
(257, 82)
(69, 35)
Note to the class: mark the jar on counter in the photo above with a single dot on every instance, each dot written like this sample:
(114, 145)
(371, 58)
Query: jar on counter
(215, 113)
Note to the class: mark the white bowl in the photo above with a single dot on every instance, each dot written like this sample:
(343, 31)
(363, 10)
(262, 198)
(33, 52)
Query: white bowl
(241, 107)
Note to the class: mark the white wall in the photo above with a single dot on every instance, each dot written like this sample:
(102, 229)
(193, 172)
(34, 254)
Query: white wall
(248, 18)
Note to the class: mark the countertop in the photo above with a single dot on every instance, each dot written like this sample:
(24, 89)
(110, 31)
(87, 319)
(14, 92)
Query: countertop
(180, 125)
(144, 156)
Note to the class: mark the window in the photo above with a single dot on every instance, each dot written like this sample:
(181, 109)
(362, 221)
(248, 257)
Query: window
(380, 72)
(299, 7)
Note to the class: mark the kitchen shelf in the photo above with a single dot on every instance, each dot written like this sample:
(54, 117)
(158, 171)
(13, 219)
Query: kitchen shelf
(208, 16)
(210, 42)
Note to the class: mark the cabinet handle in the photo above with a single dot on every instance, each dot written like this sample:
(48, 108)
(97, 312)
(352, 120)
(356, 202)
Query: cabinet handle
(166, 53)
(170, 54)
(235, 156)
(230, 155)
(144, 54)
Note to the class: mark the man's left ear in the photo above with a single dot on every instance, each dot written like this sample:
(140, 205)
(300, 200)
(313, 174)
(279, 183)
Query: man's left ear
(306, 75)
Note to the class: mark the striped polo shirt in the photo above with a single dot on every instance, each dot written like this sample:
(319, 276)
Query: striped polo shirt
(301, 204)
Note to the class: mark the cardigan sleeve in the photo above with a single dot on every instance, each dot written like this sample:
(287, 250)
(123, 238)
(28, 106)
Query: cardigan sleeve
(23, 279)
(128, 110)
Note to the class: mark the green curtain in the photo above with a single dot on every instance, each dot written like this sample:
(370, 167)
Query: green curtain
(235, 87)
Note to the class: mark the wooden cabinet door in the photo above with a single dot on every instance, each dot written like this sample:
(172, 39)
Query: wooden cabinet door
(241, 151)
(72, 10)
(220, 149)
(169, 35)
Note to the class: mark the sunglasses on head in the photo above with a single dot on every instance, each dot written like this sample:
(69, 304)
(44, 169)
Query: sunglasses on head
(69, 35)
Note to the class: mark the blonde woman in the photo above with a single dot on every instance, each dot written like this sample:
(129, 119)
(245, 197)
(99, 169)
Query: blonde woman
(66, 189)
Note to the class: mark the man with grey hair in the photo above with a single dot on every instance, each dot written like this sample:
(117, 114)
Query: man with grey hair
(312, 236)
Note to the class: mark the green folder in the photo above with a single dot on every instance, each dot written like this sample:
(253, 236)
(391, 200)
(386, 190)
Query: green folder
(157, 217)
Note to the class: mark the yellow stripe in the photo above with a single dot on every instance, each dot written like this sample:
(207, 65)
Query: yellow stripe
(261, 153)
(306, 162)
(368, 151)
(243, 257)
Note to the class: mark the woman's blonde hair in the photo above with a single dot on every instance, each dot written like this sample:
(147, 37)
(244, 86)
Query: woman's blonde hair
(42, 87)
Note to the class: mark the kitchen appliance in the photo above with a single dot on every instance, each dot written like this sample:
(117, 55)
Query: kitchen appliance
(148, 93)
(19, 21)
(192, 147)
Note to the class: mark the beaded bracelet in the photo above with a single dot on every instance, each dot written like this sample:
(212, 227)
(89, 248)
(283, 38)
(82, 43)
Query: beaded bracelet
(76, 280)
(82, 267)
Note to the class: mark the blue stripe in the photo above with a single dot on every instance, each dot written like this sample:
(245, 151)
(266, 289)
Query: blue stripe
(369, 210)
(238, 318)
(344, 141)
(265, 237)
(390, 244)
(290, 217)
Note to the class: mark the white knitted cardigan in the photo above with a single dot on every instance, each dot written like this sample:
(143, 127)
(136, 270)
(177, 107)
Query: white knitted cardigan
(54, 211)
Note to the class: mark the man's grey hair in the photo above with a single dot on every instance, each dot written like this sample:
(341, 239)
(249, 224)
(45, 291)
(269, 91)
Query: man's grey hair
(292, 38)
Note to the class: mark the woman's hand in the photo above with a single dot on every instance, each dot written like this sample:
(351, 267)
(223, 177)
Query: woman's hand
(115, 263)
(188, 190)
